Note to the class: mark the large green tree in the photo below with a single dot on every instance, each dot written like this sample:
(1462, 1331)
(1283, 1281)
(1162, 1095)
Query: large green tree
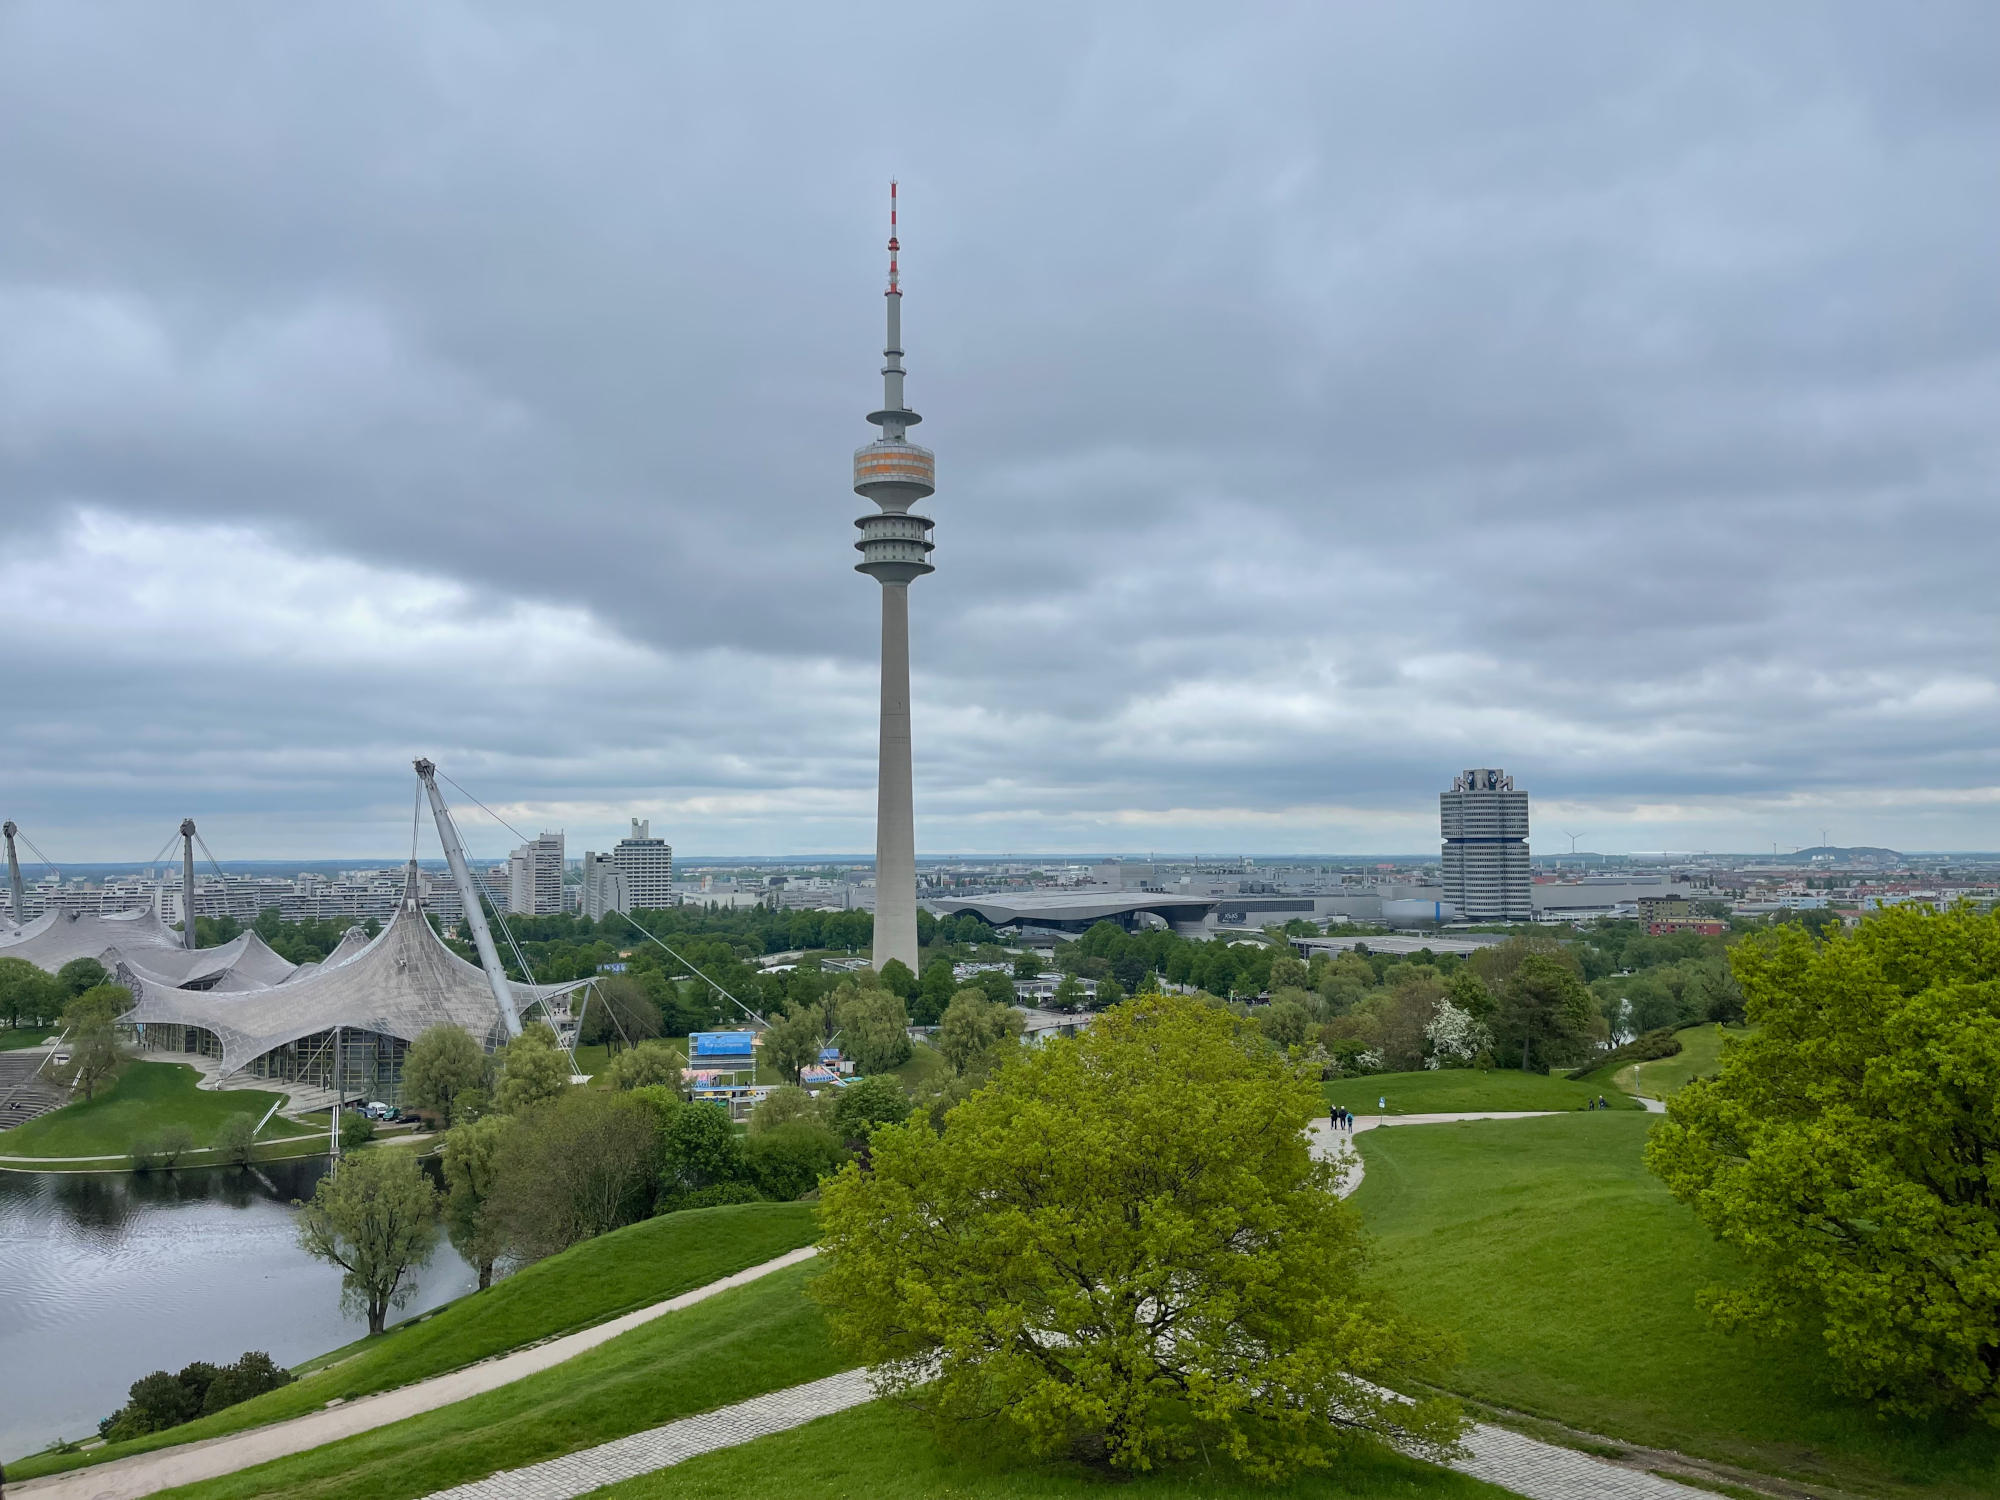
(874, 1029)
(1123, 1250)
(470, 1156)
(533, 1071)
(441, 1065)
(584, 1164)
(648, 1064)
(1545, 1014)
(27, 995)
(1850, 1150)
(89, 1020)
(793, 1039)
(376, 1218)
(977, 1032)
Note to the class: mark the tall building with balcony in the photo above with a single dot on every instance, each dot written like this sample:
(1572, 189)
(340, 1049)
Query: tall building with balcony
(1484, 821)
(535, 878)
(647, 864)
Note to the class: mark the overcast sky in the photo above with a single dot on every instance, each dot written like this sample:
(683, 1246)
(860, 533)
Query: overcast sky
(1326, 398)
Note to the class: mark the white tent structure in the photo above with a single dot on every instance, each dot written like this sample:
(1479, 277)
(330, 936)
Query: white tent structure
(376, 996)
(55, 937)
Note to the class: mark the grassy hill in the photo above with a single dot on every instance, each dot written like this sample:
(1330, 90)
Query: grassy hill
(736, 1345)
(1572, 1277)
(597, 1280)
(1700, 1056)
(1463, 1090)
(878, 1451)
(144, 1097)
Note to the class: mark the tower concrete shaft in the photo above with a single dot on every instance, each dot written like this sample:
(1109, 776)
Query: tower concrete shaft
(895, 548)
(187, 882)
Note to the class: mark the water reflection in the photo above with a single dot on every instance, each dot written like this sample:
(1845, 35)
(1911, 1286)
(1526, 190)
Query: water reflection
(104, 1277)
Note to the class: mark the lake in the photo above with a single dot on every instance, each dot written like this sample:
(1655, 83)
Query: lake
(107, 1277)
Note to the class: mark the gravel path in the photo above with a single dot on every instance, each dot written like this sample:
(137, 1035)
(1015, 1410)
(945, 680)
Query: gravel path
(1337, 1145)
(148, 1473)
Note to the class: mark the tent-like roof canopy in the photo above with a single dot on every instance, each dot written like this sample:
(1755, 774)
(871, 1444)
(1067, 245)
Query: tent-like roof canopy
(56, 937)
(401, 984)
(242, 963)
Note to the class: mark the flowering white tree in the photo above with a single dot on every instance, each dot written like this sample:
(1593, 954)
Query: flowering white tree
(1454, 1037)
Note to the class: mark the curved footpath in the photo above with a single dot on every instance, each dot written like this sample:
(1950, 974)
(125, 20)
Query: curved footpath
(148, 1473)
(1498, 1455)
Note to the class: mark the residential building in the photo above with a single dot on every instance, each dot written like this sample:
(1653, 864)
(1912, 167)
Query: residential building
(1484, 823)
(647, 864)
(605, 886)
(535, 877)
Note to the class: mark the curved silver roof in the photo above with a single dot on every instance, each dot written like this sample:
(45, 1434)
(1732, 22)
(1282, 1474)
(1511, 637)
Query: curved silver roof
(401, 984)
(245, 962)
(56, 937)
(351, 942)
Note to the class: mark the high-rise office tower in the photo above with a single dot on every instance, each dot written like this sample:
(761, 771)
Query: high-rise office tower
(895, 548)
(647, 864)
(1485, 826)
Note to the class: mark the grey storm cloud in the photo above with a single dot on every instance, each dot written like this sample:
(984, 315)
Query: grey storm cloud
(1326, 398)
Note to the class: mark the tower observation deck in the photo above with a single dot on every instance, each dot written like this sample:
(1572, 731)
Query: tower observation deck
(895, 548)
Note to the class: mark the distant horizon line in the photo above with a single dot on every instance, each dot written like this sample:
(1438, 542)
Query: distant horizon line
(864, 861)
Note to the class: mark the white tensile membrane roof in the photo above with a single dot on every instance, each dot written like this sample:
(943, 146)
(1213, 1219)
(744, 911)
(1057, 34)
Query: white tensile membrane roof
(401, 984)
(56, 937)
(141, 942)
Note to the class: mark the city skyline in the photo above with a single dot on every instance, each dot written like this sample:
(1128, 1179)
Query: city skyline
(1332, 399)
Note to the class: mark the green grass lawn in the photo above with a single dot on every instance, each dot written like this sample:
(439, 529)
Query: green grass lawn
(879, 1452)
(12, 1039)
(740, 1344)
(1461, 1090)
(1572, 1277)
(144, 1097)
(1700, 1055)
(923, 1064)
(597, 1280)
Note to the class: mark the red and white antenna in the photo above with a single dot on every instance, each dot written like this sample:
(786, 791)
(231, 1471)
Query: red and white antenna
(895, 288)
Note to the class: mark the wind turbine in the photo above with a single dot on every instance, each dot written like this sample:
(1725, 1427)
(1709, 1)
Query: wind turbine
(1572, 837)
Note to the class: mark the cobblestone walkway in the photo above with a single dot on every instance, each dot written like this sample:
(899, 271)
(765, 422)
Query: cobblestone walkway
(1542, 1471)
(643, 1452)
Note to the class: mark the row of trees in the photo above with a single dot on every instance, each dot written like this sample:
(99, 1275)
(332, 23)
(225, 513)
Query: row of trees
(30, 997)
(531, 1164)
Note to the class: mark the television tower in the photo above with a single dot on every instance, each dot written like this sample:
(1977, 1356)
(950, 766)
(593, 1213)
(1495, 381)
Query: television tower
(895, 547)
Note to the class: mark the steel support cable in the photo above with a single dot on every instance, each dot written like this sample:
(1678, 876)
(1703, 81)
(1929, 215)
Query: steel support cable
(46, 861)
(626, 915)
(697, 973)
(212, 864)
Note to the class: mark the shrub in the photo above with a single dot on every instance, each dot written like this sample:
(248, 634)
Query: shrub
(158, 1401)
(788, 1161)
(861, 1107)
(1651, 1047)
(162, 1150)
(355, 1130)
(715, 1196)
(784, 1105)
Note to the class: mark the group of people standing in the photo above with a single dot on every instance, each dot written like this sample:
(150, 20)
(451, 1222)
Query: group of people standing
(1343, 1119)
